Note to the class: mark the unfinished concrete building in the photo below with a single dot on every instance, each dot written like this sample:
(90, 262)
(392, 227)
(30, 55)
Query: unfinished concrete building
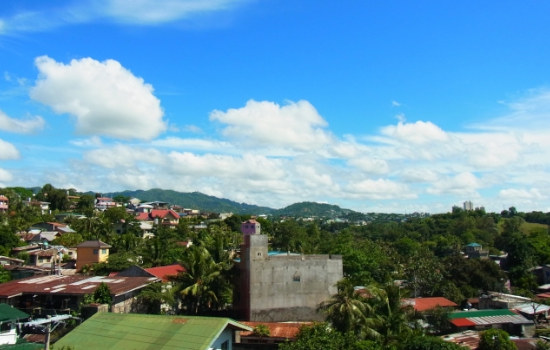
(283, 287)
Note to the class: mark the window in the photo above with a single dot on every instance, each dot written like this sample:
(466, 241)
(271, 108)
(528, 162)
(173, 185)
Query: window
(225, 345)
(103, 251)
(95, 251)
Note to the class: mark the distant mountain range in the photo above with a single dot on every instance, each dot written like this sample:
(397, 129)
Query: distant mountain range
(206, 203)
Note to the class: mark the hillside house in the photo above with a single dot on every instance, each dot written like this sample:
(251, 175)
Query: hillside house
(166, 217)
(4, 203)
(104, 203)
(91, 252)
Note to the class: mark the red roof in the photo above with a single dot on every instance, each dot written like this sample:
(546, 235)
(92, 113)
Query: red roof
(423, 304)
(164, 272)
(74, 285)
(276, 329)
(462, 322)
(162, 213)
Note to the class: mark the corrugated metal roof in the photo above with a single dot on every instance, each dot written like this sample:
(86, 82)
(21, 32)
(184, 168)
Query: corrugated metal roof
(480, 313)
(8, 313)
(74, 285)
(135, 331)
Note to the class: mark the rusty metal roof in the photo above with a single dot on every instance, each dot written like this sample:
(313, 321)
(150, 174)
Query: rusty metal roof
(73, 285)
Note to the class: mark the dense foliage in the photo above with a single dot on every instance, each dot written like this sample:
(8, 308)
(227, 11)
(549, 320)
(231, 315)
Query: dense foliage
(423, 253)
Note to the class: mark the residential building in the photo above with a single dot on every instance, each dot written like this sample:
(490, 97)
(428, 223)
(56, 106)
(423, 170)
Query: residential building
(468, 206)
(166, 217)
(91, 252)
(8, 318)
(279, 332)
(429, 303)
(283, 287)
(105, 331)
(250, 227)
(511, 322)
(104, 203)
(4, 203)
(475, 251)
(61, 293)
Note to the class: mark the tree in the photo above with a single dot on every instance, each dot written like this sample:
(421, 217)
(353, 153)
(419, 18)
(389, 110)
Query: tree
(200, 287)
(102, 294)
(429, 343)
(321, 336)
(347, 310)
(496, 339)
(154, 296)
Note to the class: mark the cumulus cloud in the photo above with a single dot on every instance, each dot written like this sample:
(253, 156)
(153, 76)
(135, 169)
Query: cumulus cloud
(296, 125)
(8, 151)
(462, 183)
(104, 98)
(25, 126)
(511, 194)
(415, 133)
(5, 177)
(379, 189)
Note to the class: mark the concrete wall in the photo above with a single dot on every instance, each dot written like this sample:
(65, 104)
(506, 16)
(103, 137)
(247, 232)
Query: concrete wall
(285, 287)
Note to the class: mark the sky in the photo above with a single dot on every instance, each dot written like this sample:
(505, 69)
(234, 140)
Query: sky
(376, 106)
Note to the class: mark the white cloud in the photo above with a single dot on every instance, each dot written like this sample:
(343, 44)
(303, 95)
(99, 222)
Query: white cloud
(26, 126)
(104, 97)
(93, 141)
(511, 194)
(8, 151)
(379, 189)
(138, 12)
(416, 133)
(296, 126)
(370, 165)
(464, 183)
(5, 176)
(149, 12)
(194, 143)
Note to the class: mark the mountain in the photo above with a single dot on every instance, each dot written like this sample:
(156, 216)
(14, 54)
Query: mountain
(195, 200)
(313, 209)
(206, 203)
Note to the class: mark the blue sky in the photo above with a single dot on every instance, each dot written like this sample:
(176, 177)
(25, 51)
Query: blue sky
(384, 106)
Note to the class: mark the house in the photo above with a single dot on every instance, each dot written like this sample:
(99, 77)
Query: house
(475, 251)
(163, 273)
(44, 207)
(55, 294)
(52, 227)
(8, 318)
(496, 300)
(283, 287)
(279, 332)
(511, 322)
(166, 217)
(91, 252)
(429, 303)
(4, 203)
(104, 203)
(105, 331)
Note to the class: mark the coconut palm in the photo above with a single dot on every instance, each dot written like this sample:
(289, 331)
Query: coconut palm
(348, 311)
(199, 286)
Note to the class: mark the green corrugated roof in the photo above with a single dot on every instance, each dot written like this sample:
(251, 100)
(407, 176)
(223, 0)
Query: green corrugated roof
(135, 331)
(8, 313)
(481, 313)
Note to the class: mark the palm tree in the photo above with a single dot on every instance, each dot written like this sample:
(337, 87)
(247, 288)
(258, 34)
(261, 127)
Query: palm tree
(348, 311)
(200, 287)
